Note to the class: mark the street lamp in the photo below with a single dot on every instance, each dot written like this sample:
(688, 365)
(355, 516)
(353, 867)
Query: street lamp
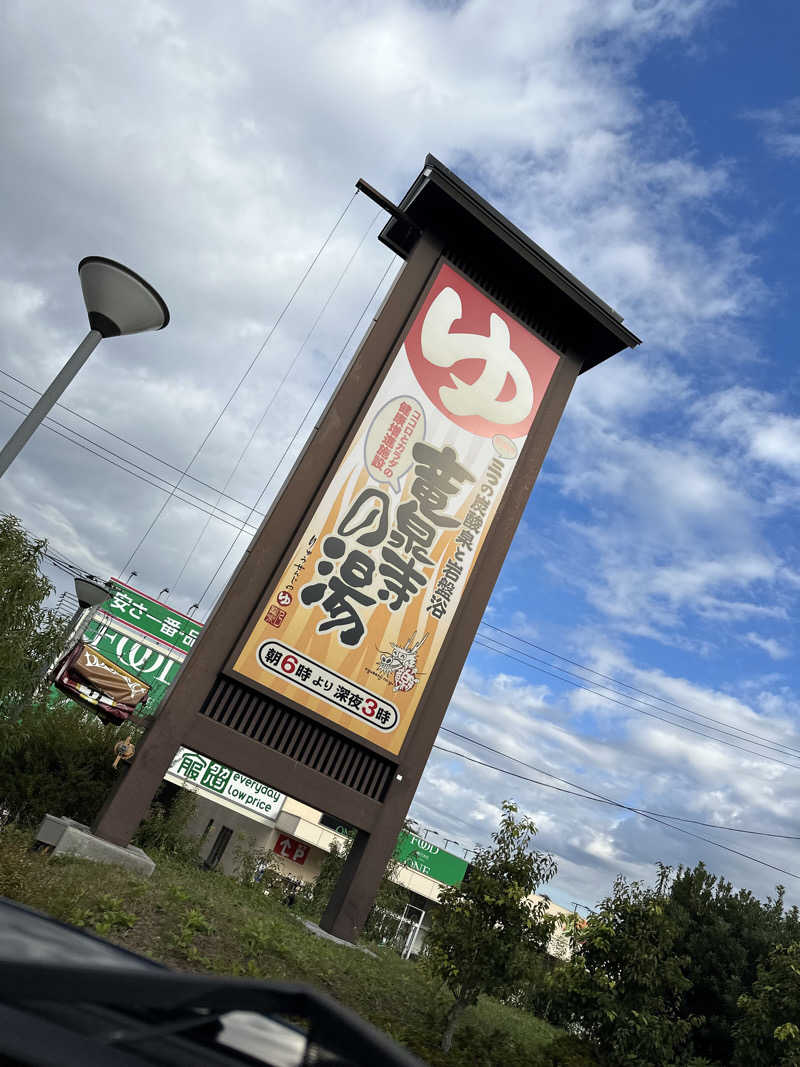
(91, 592)
(118, 302)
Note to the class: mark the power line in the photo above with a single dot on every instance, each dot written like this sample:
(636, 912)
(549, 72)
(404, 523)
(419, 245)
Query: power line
(119, 466)
(773, 746)
(605, 800)
(239, 384)
(276, 392)
(122, 440)
(630, 707)
(296, 434)
(643, 811)
(124, 459)
(617, 681)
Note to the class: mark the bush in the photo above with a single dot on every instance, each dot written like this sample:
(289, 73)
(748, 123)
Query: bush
(569, 1051)
(768, 1032)
(166, 828)
(56, 759)
(31, 636)
(257, 866)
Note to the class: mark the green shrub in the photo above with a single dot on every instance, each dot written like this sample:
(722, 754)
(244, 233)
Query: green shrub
(31, 636)
(166, 828)
(569, 1051)
(56, 759)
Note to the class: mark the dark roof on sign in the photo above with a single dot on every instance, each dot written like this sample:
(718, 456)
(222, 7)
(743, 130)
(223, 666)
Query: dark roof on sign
(523, 274)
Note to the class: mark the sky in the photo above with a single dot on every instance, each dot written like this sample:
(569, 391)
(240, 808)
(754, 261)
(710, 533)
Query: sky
(653, 148)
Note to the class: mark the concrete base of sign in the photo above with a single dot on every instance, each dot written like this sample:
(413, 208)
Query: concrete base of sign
(65, 837)
(319, 932)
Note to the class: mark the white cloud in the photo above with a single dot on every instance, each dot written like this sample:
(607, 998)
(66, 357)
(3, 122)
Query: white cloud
(746, 420)
(780, 127)
(773, 648)
(624, 757)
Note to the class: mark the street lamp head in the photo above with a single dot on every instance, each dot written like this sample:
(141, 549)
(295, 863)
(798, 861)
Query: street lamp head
(91, 591)
(117, 300)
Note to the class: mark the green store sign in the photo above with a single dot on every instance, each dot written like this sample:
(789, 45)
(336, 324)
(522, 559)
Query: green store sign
(151, 617)
(413, 852)
(156, 669)
(423, 856)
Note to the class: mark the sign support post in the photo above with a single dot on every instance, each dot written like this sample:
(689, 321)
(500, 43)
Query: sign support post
(327, 666)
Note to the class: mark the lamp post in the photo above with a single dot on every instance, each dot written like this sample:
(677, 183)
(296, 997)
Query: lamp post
(90, 592)
(118, 302)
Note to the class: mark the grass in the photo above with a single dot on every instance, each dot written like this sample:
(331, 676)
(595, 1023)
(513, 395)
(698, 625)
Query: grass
(203, 921)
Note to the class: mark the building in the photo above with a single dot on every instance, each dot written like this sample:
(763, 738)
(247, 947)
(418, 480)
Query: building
(235, 813)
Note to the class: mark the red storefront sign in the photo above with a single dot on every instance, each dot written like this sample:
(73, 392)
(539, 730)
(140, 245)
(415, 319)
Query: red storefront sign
(290, 849)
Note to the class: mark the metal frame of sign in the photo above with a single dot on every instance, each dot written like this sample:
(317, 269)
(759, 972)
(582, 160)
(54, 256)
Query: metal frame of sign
(218, 711)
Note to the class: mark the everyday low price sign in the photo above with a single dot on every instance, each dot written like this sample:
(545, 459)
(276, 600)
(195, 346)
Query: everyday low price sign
(215, 780)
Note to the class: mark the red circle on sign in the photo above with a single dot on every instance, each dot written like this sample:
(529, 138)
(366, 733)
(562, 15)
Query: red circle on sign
(476, 311)
(284, 598)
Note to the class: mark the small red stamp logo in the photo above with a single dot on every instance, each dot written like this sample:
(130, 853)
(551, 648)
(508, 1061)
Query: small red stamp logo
(284, 598)
(405, 679)
(275, 615)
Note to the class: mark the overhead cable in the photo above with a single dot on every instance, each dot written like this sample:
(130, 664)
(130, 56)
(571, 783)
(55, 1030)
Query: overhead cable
(119, 466)
(602, 800)
(617, 803)
(241, 380)
(122, 440)
(49, 422)
(275, 393)
(643, 692)
(296, 434)
(718, 740)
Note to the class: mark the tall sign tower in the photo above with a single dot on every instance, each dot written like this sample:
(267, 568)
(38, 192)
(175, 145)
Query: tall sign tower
(328, 664)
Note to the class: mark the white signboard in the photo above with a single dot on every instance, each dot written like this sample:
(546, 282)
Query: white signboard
(217, 782)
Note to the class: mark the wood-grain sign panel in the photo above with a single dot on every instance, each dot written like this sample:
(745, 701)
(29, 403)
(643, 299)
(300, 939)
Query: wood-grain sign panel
(355, 622)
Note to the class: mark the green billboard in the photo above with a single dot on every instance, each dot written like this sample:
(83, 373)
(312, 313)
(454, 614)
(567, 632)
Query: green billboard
(154, 668)
(151, 617)
(143, 636)
(423, 856)
(413, 852)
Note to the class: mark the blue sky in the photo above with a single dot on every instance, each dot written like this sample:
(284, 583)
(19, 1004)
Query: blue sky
(654, 149)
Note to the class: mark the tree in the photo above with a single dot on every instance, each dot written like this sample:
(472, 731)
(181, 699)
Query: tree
(56, 759)
(768, 1033)
(485, 928)
(53, 757)
(724, 936)
(31, 636)
(624, 986)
